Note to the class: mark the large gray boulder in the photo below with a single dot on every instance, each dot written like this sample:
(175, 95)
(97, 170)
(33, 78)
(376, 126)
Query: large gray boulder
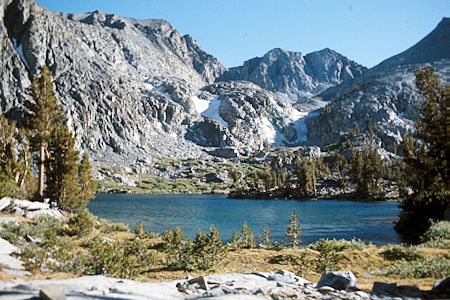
(52, 292)
(339, 280)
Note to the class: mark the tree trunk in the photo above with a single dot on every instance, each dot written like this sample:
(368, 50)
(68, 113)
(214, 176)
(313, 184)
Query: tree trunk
(41, 170)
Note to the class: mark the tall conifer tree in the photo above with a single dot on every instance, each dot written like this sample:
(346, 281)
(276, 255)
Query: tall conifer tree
(427, 160)
(293, 231)
(62, 181)
(43, 113)
(8, 164)
(85, 181)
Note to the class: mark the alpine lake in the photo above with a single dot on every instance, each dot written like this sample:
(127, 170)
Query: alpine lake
(329, 219)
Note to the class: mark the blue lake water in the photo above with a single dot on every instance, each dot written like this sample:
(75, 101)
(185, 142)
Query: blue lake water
(368, 221)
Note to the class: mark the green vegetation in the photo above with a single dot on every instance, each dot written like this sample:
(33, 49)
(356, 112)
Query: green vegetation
(205, 253)
(107, 227)
(426, 160)
(15, 174)
(81, 224)
(68, 182)
(44, 116)
(397, 252)
(48, 245)
(437, 236)
(293, 231)
(247, 239)
(366, 170)
(437, 267)
(189, 177)
(339, 245)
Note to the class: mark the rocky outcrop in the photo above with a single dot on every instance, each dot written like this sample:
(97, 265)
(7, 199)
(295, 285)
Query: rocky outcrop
(135, 90)
(339, 280)
(209, 133)
(8, 263)
(29, 209)
(386, 95)
(296, 75)
(262, 285)
(254, 115)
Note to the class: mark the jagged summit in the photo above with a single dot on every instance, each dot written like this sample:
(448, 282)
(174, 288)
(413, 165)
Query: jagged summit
(296, 75)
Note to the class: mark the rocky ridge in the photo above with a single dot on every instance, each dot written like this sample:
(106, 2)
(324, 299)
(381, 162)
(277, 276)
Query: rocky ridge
(295, 75)
(386, 94)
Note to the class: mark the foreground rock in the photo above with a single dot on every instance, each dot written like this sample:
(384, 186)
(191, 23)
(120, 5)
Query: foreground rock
(29, 209)
(8, 263)
(339, 280)
(279, 285)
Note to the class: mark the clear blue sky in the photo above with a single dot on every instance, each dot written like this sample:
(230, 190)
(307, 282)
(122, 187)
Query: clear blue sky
(237, 30)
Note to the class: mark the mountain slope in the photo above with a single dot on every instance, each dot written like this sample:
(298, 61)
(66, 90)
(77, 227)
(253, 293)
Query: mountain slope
(133, 89)
(385, 95)
(110, 75)
(296, 75)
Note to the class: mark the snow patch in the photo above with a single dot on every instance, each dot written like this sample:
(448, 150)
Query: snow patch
(298, 122)
(271, 133)
(148, 86)
(160, 90)
(19, 51)
(212, 112)
(201, 105)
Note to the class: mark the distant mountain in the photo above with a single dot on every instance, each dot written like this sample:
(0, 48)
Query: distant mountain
(386, 94)
(296, 75)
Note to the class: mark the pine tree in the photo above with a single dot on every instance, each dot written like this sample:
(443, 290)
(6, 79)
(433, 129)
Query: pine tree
(42, 116)
(62, 169)
(293, 231)
(427, 160)
(85, 181)
(265, 239)
(235, 242)
(8, 164)
(212, 252)
(340, 166)
(203, 250)
(305, 177)
(23, 175)
(247, 237)
(366, 170)
(139, 229)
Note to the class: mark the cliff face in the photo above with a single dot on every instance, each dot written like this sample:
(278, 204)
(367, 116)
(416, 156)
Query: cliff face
(110, 75)
(296, 75)
(132, 89)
